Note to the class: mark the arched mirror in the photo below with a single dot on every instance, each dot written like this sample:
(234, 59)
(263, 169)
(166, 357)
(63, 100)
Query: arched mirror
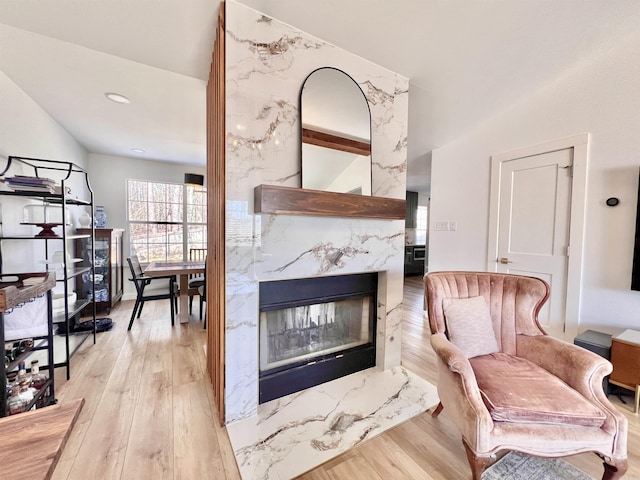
(336, 133)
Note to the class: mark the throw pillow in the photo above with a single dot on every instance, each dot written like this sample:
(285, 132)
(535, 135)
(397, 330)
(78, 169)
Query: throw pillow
(469, 325)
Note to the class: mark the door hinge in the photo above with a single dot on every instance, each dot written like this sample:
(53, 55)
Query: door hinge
(568, 250)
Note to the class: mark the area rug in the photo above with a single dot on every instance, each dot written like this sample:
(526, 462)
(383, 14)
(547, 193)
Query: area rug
(518, 466)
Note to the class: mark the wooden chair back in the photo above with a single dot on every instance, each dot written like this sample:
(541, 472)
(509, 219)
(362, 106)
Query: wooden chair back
(136, 273)
(134, 265)
(197, 255)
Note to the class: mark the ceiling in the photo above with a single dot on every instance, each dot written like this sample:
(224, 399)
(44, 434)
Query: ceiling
(466, 61)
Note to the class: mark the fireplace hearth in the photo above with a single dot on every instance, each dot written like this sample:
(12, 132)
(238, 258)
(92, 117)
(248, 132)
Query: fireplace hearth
(313, 330)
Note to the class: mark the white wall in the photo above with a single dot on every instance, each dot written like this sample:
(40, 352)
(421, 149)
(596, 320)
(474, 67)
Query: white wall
(354, 177)
(27, 130)
(109, 176)
(600, 96)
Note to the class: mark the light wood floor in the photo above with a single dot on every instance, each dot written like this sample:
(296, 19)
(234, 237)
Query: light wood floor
(148, 411)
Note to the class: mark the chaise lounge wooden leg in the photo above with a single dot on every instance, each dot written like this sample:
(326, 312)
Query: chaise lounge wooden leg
(478, 464)
(437, 410)
(613, 472)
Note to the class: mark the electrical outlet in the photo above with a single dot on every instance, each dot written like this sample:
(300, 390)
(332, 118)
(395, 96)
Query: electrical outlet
(453, 226)
(441, 226)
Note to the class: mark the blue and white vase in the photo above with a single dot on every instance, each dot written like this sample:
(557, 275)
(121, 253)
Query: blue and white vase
(100, 217)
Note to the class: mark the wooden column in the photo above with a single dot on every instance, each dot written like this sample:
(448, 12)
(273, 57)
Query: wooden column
(216, 271)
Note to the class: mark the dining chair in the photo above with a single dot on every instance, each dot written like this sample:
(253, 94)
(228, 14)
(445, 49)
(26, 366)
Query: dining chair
(196, 280)
(141, 282)
(202, 291)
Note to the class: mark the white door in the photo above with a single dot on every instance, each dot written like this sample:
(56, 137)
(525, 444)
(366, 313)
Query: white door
(533, 226)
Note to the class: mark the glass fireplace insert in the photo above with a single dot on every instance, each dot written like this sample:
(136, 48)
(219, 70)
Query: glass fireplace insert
(313, 330)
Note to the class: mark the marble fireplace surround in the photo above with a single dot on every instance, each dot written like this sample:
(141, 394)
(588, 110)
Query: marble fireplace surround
(266, 63)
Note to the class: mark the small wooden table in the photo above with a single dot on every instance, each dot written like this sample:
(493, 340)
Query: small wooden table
(625, 357)
(183, 269)
(31, 443)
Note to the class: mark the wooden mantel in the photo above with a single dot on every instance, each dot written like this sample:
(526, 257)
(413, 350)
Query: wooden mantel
(300, 201)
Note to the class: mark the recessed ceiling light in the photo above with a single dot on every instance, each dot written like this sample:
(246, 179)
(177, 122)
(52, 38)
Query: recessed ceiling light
(137, 150)
(116, 97)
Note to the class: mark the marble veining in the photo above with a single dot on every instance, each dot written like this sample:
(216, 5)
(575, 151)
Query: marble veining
(286, 439)
(326, 256)
(300, 247)
(278, 47)
(401, 145)
(274, 114)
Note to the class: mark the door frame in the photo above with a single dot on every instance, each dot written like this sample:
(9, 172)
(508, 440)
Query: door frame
(580, 145)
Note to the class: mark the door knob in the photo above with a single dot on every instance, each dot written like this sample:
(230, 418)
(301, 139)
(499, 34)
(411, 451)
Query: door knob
(504, 260)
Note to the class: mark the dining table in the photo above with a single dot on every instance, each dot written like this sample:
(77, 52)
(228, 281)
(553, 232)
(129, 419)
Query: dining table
(183, 269)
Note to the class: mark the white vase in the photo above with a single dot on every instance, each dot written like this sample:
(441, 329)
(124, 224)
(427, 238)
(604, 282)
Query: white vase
(84, 220)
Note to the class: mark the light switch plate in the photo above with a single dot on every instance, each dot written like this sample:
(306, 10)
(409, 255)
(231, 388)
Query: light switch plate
(441, 226)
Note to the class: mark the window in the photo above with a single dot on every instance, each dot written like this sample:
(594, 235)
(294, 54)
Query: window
(421, 225)
(165, 220)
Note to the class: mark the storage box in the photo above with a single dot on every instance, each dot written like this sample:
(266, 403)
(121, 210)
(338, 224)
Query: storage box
(596, 342)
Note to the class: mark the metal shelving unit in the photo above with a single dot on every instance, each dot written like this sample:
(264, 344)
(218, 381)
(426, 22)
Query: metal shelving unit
(71, 268)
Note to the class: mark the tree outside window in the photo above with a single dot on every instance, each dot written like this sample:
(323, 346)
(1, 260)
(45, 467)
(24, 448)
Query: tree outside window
(165, 220)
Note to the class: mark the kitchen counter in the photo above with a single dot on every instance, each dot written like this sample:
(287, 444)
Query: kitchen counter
(414, 259)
